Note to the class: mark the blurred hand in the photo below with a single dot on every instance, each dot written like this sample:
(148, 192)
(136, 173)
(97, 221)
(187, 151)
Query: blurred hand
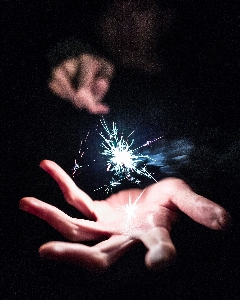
(130, 216)
(84, 81)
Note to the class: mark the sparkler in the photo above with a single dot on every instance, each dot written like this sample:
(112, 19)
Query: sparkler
(122, 159)
(108, 148)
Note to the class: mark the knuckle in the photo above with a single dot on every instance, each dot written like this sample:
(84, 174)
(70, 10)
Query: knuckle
(72, 235)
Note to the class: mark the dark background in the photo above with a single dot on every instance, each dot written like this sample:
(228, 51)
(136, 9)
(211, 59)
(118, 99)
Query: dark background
(36, 125)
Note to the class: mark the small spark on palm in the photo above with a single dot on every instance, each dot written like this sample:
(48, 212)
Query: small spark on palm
(130, 208)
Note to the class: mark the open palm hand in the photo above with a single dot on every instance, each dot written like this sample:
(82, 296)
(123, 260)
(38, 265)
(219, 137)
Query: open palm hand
(127, 217)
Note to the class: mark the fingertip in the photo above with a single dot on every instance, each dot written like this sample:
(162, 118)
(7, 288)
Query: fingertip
(45, 251)
(158, 258)
(45, 162)
(225, 221)
(100, 109)
(54, 250)
(44, 248)
(22, 203)
(48, 165)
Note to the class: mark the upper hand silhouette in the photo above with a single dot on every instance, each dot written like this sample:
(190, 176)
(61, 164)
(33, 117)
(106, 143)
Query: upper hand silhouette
(84, 80)
(130, 216)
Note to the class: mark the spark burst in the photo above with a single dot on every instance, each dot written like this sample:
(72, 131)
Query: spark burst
(122, 159)
(108, 149)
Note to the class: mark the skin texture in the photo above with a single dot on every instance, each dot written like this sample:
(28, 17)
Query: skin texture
(84, 81)
(156, 210)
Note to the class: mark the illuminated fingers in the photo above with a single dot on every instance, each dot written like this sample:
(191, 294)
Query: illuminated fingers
(96, 258)
(161, 250)
(199, 208)
(71, 192)
(78, 254)
(71, 228)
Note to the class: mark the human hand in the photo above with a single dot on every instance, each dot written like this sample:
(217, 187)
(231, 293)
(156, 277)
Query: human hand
(130, 216)
(84, 81)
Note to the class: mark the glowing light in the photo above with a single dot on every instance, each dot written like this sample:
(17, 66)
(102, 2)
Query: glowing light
(122, 159)
(130, 208)
(107, 148)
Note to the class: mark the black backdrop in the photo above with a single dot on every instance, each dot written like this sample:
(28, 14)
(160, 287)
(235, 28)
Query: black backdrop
(36, 125)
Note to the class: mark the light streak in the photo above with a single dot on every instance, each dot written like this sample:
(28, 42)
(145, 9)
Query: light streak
(130, 208)
(76, 167)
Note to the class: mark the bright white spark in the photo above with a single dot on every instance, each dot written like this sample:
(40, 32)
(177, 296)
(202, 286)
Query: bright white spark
(122, 159)
(75, 168)
(130, 208)
(108, 187)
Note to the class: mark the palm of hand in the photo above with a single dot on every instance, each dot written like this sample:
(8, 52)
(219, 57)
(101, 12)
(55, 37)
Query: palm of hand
(133, 212)
(121, 220)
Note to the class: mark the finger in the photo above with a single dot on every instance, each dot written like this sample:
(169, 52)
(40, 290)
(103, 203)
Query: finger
(71, 66)
(95, 75)
(85, 99)
(71, 228)
(61, 77)
(90, 67)
(161, 250)
(103, 79)
(96, 258)
(199, 208)
(71, 192)
(100, 88)
(56, 87)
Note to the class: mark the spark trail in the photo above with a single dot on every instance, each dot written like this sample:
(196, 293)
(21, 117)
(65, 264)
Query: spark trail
(76, 167)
